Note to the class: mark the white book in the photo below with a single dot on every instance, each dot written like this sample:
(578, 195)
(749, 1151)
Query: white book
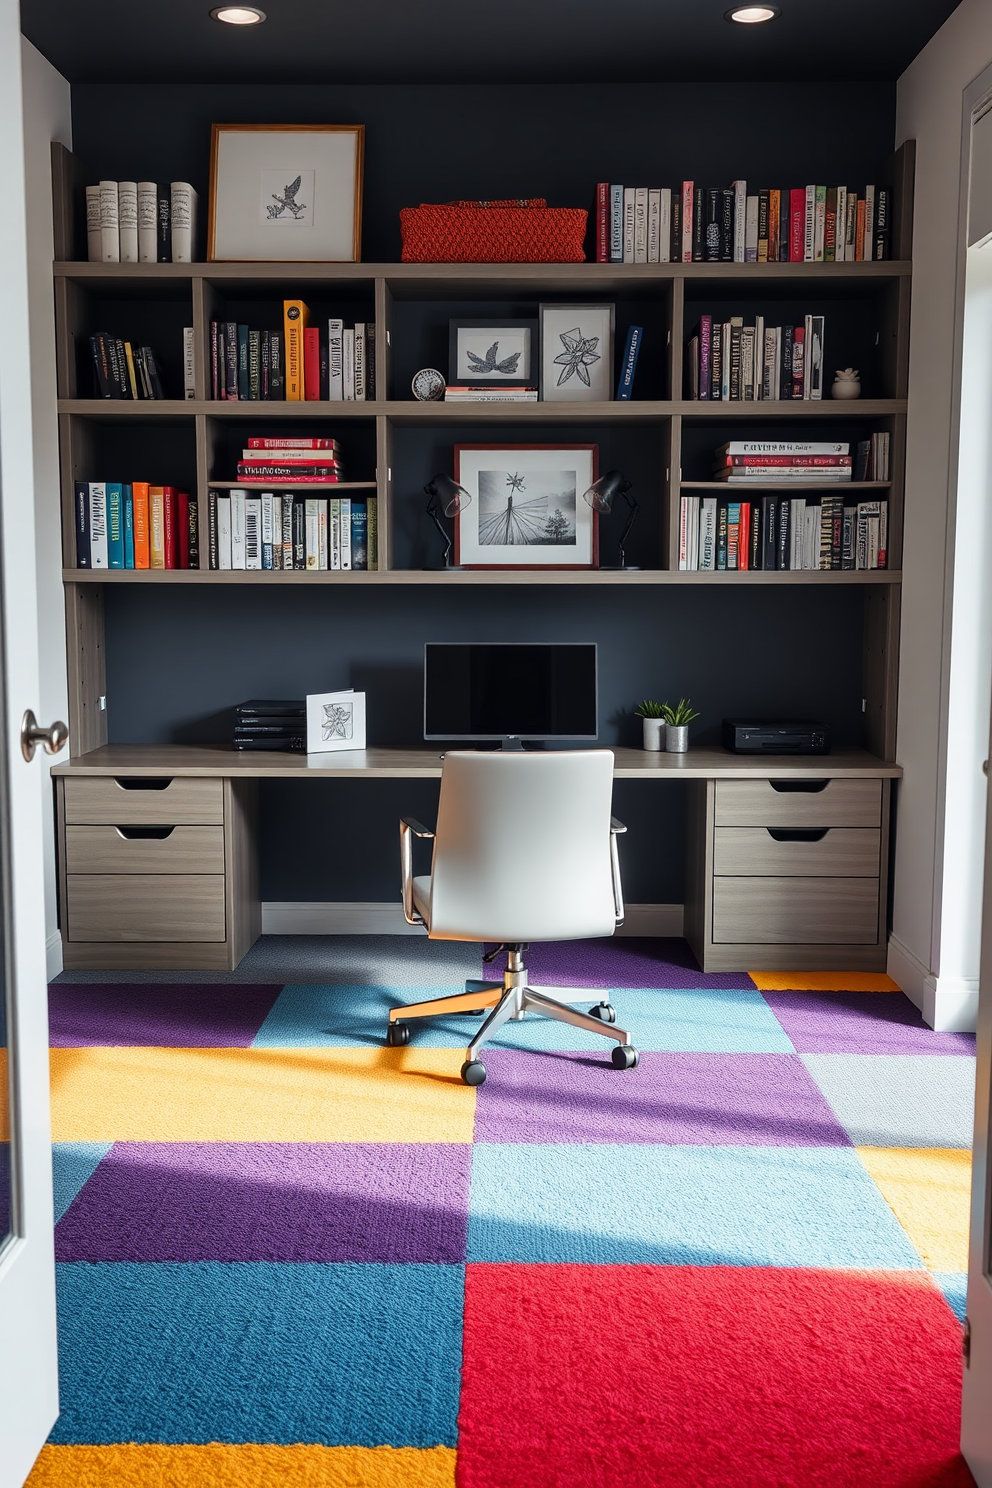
(147, 222)
(189, 363)
(277, 532)
(184, 203)
(99, 553)
(223, 532)
(360, 361)
(819, 228)
(335, 350)
(127, 216)
(707, 534)
(809, 234)
(94, 251)
(238, 529)
(110, 232)
(266, 535)
(751, 230)
(334, 522)
(740, 221)
(797, 531)
(851, 251)
(683, 534)
(287, 532)
(868, 251)
(770, 386)
(784, 447)
(629, 195)
(811, 547)
(665, 231)
(693, 532)
(654, 225)
(883, 533)
(311, 529)
(253, 532)
(348, 364)
(346, 534)
(840, 231)
(640, 224)
(322, 536)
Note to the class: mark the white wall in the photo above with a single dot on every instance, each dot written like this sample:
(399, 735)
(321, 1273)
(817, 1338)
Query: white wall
(46, 118)
(934, 951)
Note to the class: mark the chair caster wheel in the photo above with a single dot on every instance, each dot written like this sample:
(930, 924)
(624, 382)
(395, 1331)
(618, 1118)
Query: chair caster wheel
(474, 1072)
(475, 1012)
(397, 1034)
(624, 1056)
(604, 1012)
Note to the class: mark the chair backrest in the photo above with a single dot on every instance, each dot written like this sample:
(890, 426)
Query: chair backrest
(522, 850)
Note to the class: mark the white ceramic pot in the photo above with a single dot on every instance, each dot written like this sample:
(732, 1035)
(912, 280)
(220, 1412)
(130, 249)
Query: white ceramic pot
(677, 739)
(654, 733)
(846, 388)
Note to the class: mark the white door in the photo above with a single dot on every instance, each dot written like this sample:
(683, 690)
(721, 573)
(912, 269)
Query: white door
(28, 1364)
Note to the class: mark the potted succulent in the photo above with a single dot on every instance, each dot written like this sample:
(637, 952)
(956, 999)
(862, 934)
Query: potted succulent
(652, 716)
(677, 721)
(847, 383)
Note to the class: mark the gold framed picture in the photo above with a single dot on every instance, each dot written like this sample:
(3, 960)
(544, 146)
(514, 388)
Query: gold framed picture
(286, 192)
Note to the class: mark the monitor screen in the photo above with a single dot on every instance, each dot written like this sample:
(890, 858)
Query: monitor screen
(478, 690)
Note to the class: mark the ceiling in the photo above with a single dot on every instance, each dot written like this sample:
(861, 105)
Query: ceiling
(472, 41)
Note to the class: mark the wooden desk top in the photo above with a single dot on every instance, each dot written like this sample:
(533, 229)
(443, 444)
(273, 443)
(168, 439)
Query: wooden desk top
(704, 763)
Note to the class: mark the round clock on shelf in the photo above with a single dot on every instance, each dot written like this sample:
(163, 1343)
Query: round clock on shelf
(428, 385)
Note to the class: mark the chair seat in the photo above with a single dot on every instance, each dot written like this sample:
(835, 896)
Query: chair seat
(422, 897)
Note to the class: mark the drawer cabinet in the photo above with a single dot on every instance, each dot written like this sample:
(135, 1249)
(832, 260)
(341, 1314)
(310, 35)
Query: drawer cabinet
(144, 801)
(795, 911)
(145, 907)
(798, 803)
(841, 852)
(144, 849)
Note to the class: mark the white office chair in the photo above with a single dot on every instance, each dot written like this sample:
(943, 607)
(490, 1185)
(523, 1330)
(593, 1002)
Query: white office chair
(525, 849)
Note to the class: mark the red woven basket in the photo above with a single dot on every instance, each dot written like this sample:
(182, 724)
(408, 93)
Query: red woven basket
(527, 231)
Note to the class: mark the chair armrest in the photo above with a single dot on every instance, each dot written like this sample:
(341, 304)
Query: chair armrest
(409, 828)
(416, 828)
(616, 826)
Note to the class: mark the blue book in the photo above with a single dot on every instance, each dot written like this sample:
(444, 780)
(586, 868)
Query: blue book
(128, 527)
(115, 524)
(628, 364)
(359, 535)
(82, 491)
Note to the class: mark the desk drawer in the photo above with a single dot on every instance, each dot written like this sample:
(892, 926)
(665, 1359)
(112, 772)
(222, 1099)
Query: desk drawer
(795, 911)
(827, 803)
(835, 852)
(184, 800)
(142, 850)
(145, 907)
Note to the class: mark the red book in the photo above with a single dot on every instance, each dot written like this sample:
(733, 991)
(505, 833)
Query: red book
(797, 224)
(311, 364)
(744, 536)
(169, 523)
(182, 528)
(603, 222)
(764, 461)
(293, 444)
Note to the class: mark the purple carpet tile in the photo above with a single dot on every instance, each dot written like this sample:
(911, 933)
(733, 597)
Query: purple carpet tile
(627, 961)
(860, 1023)
(708, 1100)
(306, 1201)
(183, 1016)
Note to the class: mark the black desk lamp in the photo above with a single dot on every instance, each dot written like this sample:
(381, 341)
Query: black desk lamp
(447, 496)
(601, 496)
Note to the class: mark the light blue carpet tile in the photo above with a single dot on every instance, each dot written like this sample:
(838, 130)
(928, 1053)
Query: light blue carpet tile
(73, 1164)
(899, 1100)
(954, 1285)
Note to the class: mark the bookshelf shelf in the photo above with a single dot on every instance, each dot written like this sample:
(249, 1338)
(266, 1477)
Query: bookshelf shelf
(456, 578)
(410, 412)
(780, 486)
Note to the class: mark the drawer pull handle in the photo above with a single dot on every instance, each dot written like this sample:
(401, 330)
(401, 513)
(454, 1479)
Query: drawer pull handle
(805, 787)
(157, 834)
(142, 782)
(797, 834)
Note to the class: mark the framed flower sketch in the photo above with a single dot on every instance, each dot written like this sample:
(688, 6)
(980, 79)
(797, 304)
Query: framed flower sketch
(335, 720)
(497, 353)
(527, 509)
(577, 353)
(286, 192)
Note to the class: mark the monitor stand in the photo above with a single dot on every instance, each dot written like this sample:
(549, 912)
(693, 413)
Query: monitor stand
(511, 741)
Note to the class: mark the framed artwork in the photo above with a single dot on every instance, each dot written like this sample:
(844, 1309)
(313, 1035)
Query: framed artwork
(577, 353)
(498, 353)
(335, 720)
(286, 192)
(527, 509)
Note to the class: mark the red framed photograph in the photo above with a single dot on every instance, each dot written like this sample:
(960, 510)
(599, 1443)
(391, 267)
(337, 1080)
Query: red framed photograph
(527, 508)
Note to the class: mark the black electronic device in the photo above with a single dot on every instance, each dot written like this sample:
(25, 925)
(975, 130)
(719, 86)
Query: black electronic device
(514, 691)
(775, 736)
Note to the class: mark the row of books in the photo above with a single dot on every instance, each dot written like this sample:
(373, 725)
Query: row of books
(131, 524)
(271, 723)
(763, 461)
(249, 530)
(123, 370)
(777, 532)
(732, 362)
(140, 222)
(304, 461)
(487, 393)
(300, 363)
(726, 224)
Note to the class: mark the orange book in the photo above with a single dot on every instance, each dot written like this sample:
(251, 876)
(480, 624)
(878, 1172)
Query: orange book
(296, 317)
(859, 230)
(156, 526)
(774, 224)
(139, 495)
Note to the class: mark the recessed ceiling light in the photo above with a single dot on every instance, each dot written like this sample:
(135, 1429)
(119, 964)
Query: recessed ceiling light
(752, 15)
(238, 15)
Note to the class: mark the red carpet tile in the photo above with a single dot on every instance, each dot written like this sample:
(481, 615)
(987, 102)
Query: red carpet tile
(707, 1377)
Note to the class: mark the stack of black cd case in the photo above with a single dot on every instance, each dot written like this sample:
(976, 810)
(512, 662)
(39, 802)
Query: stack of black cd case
(271, 723)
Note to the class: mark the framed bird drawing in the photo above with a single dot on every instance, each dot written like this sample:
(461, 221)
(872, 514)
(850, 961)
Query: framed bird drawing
(492, 353)
(285, 192)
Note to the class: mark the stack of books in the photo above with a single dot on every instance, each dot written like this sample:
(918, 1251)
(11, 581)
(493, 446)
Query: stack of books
(131, 524)
(140, 222)
(304, 461)
(725, 224)
(740, 461)
(297, 363)
(121, 370)
(734, 362)
(271, 723)
(262, 530)
(490, 394)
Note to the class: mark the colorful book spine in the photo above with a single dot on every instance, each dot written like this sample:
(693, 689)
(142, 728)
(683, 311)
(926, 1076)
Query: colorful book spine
(295, 319)
(628, 364)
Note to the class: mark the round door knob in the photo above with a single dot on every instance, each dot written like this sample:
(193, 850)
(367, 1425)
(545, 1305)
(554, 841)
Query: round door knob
(52, 738)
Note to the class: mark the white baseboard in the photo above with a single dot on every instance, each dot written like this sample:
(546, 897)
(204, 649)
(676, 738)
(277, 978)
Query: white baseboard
(374, 917)
(53, 955)
(948, 1004)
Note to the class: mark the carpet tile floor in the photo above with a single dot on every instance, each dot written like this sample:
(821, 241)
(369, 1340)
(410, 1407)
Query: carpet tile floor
(289, 1256)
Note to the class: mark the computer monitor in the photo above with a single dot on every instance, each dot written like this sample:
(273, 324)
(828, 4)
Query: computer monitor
(513, 691)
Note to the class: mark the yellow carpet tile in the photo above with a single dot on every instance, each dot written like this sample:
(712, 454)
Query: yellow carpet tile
(928, 1190)
(260, 1095)
(823, 981)
(221, 1466)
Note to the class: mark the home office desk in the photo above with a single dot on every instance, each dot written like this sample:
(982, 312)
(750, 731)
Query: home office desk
(786, 858)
